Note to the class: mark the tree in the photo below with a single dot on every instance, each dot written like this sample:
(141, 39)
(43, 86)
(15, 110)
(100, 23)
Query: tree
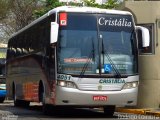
(109, 4)
(50, 4)
(14, 15)
(4, 8)
(5, 30)
(22, 12)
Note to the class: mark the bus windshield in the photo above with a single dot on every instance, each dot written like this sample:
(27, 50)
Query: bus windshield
(80, 49)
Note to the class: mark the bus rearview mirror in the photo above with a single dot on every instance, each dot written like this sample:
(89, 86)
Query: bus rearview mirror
(144, 37)
(54, 32)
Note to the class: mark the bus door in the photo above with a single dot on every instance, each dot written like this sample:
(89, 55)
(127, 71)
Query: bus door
(49, 65)
(52, 64)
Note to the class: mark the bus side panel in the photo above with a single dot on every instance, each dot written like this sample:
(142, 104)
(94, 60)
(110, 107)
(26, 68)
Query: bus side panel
(24, 74)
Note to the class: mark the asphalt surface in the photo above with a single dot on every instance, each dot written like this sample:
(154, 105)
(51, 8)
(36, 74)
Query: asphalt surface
(34, 112)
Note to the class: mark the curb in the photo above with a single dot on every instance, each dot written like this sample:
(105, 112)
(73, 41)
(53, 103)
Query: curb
(157, 114)
(139, 111)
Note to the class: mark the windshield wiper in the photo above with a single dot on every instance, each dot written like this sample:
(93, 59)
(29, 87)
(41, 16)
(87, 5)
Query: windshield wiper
(104, 52)
(91, 55)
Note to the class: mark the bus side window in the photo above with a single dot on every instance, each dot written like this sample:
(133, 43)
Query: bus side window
(24, 51)
(12, 53)
(18, 52)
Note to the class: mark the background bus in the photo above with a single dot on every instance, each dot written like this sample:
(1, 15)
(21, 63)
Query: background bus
(3, 51)
(76, 56)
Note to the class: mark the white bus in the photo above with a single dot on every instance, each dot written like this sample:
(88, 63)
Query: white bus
(76, 57)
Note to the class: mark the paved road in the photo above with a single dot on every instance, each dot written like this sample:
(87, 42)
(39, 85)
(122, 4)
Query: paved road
(34, 112)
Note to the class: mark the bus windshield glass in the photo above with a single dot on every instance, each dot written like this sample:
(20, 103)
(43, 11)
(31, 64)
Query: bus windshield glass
(80, 49)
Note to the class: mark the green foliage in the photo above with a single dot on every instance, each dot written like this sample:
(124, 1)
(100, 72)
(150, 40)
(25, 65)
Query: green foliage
(4, 8)
(50, 4)
(110, 4)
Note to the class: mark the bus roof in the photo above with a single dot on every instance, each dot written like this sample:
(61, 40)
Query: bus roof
(87, 10)
(73, 9)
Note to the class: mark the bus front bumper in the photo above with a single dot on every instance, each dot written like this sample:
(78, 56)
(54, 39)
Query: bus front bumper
(75, 97)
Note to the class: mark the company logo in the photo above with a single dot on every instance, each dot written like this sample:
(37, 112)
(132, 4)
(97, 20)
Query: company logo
(119, 22)
(99, 87)
(112, 81)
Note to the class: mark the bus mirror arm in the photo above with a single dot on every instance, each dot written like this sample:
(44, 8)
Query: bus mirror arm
(54, 32)
(145, 36)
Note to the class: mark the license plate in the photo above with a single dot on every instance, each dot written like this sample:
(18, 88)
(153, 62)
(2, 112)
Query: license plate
(100, 98)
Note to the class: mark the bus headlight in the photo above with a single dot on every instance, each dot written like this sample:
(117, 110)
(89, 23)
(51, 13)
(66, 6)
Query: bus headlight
(68, 84)
(130, 85)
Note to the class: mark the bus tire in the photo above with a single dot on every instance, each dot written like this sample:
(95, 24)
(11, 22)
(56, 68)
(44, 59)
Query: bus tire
(21, 103)
(47, 109)
(2, 99)
(40, 91)
(18, 103)
(109, 110)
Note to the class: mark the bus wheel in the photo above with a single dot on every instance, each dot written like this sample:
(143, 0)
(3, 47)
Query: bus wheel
(16, 102)
(109, 110)
(19, 103)
(46, 107)
(2, 99)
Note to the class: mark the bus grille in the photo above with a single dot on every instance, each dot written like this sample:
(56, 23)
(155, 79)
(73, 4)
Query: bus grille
(95, 87)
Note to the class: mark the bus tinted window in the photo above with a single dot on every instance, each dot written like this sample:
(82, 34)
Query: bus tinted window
(80, 22)
(31, 40)
(79, 43)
